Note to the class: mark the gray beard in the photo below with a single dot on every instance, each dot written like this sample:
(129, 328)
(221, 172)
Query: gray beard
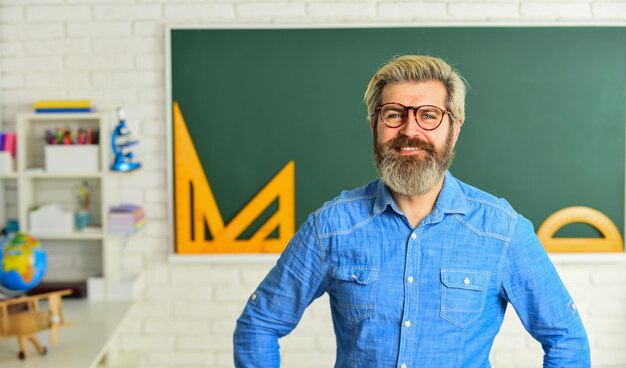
(412, 175)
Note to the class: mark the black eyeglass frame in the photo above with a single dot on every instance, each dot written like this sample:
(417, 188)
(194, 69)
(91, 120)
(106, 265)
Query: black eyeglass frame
(408, 109)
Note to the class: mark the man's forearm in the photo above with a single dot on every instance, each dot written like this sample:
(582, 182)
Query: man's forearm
(255, 347)
(570, 351)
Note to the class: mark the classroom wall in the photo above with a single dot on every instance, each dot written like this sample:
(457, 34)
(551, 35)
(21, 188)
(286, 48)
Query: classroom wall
(113, 51)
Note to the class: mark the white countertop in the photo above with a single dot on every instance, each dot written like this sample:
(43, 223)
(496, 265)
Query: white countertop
(81, 345)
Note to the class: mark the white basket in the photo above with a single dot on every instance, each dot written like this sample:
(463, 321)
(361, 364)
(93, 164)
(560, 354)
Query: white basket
(72, 158)
(6, 162)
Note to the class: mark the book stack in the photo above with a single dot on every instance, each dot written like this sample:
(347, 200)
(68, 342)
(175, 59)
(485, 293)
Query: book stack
(63, 106)
(126, 219)
(7, 142)
(7, 151)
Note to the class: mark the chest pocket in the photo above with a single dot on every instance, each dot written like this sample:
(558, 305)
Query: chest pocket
(463, 294)
(354, 291)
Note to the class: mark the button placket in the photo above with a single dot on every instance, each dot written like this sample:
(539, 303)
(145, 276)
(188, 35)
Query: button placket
(408, 332)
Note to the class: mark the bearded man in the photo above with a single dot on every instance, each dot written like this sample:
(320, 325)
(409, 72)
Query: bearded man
(419, 267)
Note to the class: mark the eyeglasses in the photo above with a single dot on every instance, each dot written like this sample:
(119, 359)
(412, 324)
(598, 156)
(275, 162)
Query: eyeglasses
(394, 115)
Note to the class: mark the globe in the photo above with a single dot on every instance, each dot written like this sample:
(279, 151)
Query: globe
(22, 263)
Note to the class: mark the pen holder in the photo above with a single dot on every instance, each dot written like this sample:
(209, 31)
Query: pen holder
(83, 218)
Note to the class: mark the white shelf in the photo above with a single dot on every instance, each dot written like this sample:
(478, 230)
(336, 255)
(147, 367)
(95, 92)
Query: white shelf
(64, 116)
(61, 175)
(36, 188)
(98, 253)
(84, 235)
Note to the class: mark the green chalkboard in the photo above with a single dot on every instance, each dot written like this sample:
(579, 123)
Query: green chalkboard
(544, 124)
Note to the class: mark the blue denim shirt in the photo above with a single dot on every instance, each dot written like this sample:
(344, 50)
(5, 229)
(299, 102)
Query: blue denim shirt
(431, 296)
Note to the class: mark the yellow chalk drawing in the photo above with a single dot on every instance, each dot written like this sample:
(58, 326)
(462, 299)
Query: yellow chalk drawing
(196, 206)
(611, 240)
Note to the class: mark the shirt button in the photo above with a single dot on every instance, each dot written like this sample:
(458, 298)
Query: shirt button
(413, 236)
(410, 279)
(573, 306)
(403, 366)
(466, 281)
(407, 323)
(253, 297)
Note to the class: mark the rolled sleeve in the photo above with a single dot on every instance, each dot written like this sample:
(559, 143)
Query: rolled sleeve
(547, 311)
(276, 306)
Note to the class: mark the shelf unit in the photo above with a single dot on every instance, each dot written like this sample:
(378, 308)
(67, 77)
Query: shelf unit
(88, 254)
(8, 197)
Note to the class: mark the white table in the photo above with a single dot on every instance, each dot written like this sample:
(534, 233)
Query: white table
(81, 345)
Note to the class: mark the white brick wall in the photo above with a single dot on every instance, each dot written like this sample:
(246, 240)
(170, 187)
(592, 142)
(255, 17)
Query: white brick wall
(112, 51)
(213, 295)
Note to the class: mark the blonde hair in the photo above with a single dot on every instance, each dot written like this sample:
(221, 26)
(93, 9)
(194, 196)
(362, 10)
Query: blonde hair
(418, 68)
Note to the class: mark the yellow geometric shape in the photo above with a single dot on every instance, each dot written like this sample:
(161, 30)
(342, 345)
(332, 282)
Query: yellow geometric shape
(611, 240)
(196, 206)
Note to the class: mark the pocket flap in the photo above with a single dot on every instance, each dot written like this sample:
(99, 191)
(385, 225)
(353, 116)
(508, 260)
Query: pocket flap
(358, 274)
(464, 279)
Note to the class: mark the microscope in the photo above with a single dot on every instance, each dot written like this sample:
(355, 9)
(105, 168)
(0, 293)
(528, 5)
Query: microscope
(120, 142)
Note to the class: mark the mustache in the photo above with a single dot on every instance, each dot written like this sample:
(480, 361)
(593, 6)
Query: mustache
(403, 141)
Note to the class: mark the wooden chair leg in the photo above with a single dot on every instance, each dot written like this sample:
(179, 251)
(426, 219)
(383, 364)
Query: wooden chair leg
(35, 341)
(22, 341)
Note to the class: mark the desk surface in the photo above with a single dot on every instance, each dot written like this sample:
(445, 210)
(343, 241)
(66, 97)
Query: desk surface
(79, 346)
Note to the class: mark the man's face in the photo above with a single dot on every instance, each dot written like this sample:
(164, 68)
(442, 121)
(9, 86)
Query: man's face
(409, 159)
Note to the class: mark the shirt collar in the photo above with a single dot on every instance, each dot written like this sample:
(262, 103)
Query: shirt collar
(450, 200)
(384, 199)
